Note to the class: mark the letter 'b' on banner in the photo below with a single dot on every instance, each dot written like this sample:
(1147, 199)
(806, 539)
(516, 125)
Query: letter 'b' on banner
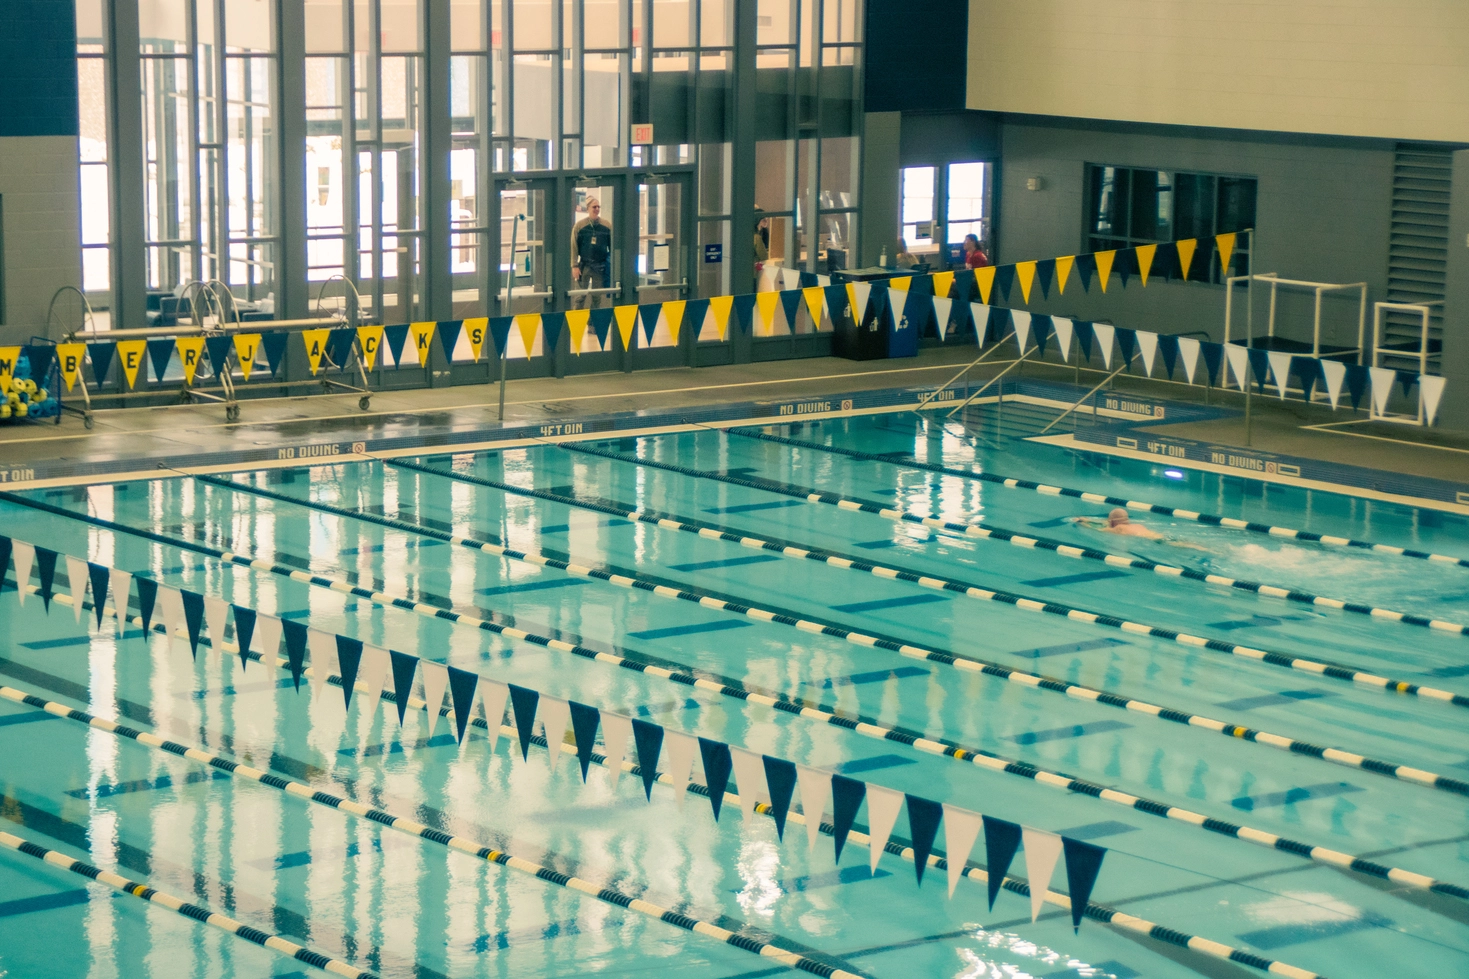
(69, 358)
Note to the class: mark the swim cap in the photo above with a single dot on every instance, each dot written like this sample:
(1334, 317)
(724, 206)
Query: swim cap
(1117, 516)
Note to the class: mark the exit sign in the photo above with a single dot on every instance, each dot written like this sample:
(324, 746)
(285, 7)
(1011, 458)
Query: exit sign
(642, 134)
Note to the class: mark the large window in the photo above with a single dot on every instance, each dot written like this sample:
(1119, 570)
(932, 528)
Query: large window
(1128, 206)
(942, 204)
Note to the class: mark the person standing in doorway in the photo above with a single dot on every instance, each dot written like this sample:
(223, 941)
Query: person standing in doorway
(591, 253)
(974, 256)
(762, 244)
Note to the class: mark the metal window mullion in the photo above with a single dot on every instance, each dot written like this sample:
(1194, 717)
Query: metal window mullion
(220, 245)
(196, 197)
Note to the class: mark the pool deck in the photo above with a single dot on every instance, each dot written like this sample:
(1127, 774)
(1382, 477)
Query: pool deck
(1369, 458)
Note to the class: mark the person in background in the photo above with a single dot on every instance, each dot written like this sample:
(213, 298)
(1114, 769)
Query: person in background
(974, 256)
(762, 244)
(591, 253)
(905, 259)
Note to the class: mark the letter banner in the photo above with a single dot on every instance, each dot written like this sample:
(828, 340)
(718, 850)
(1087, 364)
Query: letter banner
(190, 350)
(766, 303)
(69, 357)
(576, 325)
(985, 279)
(721, 306)
(1104, 266)
(8, 357)
(246, 347)
(475, 330)
(1063, 272)
(1185, 255)
(942, 282)
(101, 355)
(1226, 250)
(315, 341)
(528, 325)
(449, 331)
(627, 321)
(370, 342)
(673, 311)
(816, 299)
(1145, 255)
(423, 334)
(130, 354)
(1025, 274)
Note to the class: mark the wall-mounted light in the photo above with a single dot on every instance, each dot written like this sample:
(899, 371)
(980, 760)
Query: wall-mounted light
(1035, 183)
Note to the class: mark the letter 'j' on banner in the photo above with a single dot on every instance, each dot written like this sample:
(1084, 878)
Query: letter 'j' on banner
(246, 346)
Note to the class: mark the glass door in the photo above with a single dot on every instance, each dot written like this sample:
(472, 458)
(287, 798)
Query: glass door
(525, 277)
(663, 239)
(591, 244)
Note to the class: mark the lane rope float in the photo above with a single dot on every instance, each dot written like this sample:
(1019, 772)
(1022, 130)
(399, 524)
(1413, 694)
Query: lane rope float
(1335, 671)
(971, 870)
(161, 898)
(940, 747)
(1231, 523)
(410, 827)
(1035, 681)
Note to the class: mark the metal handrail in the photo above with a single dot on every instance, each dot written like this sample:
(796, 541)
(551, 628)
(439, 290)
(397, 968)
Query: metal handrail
(987, 384)
(924, 403)
(1079, 401)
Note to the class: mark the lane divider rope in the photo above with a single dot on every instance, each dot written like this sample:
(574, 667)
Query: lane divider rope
(161, 898)
(971, 870)
(410, 827)
(1158, 508)
(1076, 691)
(1335, 671)
(829, 715)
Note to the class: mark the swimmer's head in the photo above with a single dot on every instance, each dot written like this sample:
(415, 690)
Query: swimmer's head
(1117, 517)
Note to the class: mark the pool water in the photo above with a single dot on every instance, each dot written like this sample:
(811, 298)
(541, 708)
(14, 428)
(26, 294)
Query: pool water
(400, 906)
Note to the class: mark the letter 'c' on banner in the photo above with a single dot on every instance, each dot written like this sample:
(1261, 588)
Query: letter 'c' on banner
(370, 340)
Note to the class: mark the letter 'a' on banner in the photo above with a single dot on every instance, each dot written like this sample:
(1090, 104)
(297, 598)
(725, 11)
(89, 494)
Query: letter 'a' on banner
(370, 341)
(315, 341)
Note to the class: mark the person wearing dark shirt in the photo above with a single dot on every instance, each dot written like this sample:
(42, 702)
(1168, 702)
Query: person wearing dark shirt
(591, 253)
(762, 244)
(974, 256)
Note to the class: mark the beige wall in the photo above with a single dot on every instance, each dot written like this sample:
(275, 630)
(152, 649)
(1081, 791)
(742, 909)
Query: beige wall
(1396, 69)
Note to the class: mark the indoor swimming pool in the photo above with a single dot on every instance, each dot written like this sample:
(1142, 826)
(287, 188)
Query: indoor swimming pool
(1263, 738)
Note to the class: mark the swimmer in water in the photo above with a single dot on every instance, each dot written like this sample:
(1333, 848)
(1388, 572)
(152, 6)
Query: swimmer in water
(1118, 522)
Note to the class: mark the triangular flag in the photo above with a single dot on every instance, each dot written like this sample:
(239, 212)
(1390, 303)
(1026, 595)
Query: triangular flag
(449, 332)
(1280, 369)
(130, 355)
(859, 294)
(941, 282)
(718, 764)
(1025, 275)
(171, 603)
(369, 342)
(815, 297)
(1168, 347)
(349, 664)
(1213, 354)
(1062, 328)
(1260, 361)
(1104, 333)
(576, 325)
(984, 279)
(76, 580)
(679, 750)
(404, 666)
(649, 740)
(41, 356)
(493, 696)
(616, 731)
(1045, 275)
(1042, 850)
(1147, 343)
(1334, 372)
(720, 306)
(218, 349)
(1407, 379)
(25, 557)
(315, 342)
(216, 614)
(423, 335)
(923, 825)
(942, 308)
(673, 311)
(435, 685)
(6, 545)
(274, 345)
(846, 798)
(323, 646)
(524, 702)
(160, 354)
(815, 793)
(650, 313)
(1357, 377)
(500, 333)
(1083, 863)
(271, 633)
(339, 347)
(1382, 381)
(147, 597)
(1021, 321)
(69, 358)
(1239, 363)
(1104, 266)
(790, 278)
(749, 773)
(1001, 840)
(1145, 255)
(766, 303)
(1188, 352)
(1126, 345)
(961, 829)
(8, 357)
(372, 670)
(584, 723)
(883, 805)
(190, 350)
(98, 573)
(528, 325)
(1063, 272)
(475, 330)
(1225, 244)
(981, 317)
(1430, 391)
(627, 321)
(1040, 329)
(555, 716)
(120, 583)
(244, 631)
(396, 337)
(1004, 279)
(100, 354)
(1185, 255)
(780, 779)
(46, 568)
